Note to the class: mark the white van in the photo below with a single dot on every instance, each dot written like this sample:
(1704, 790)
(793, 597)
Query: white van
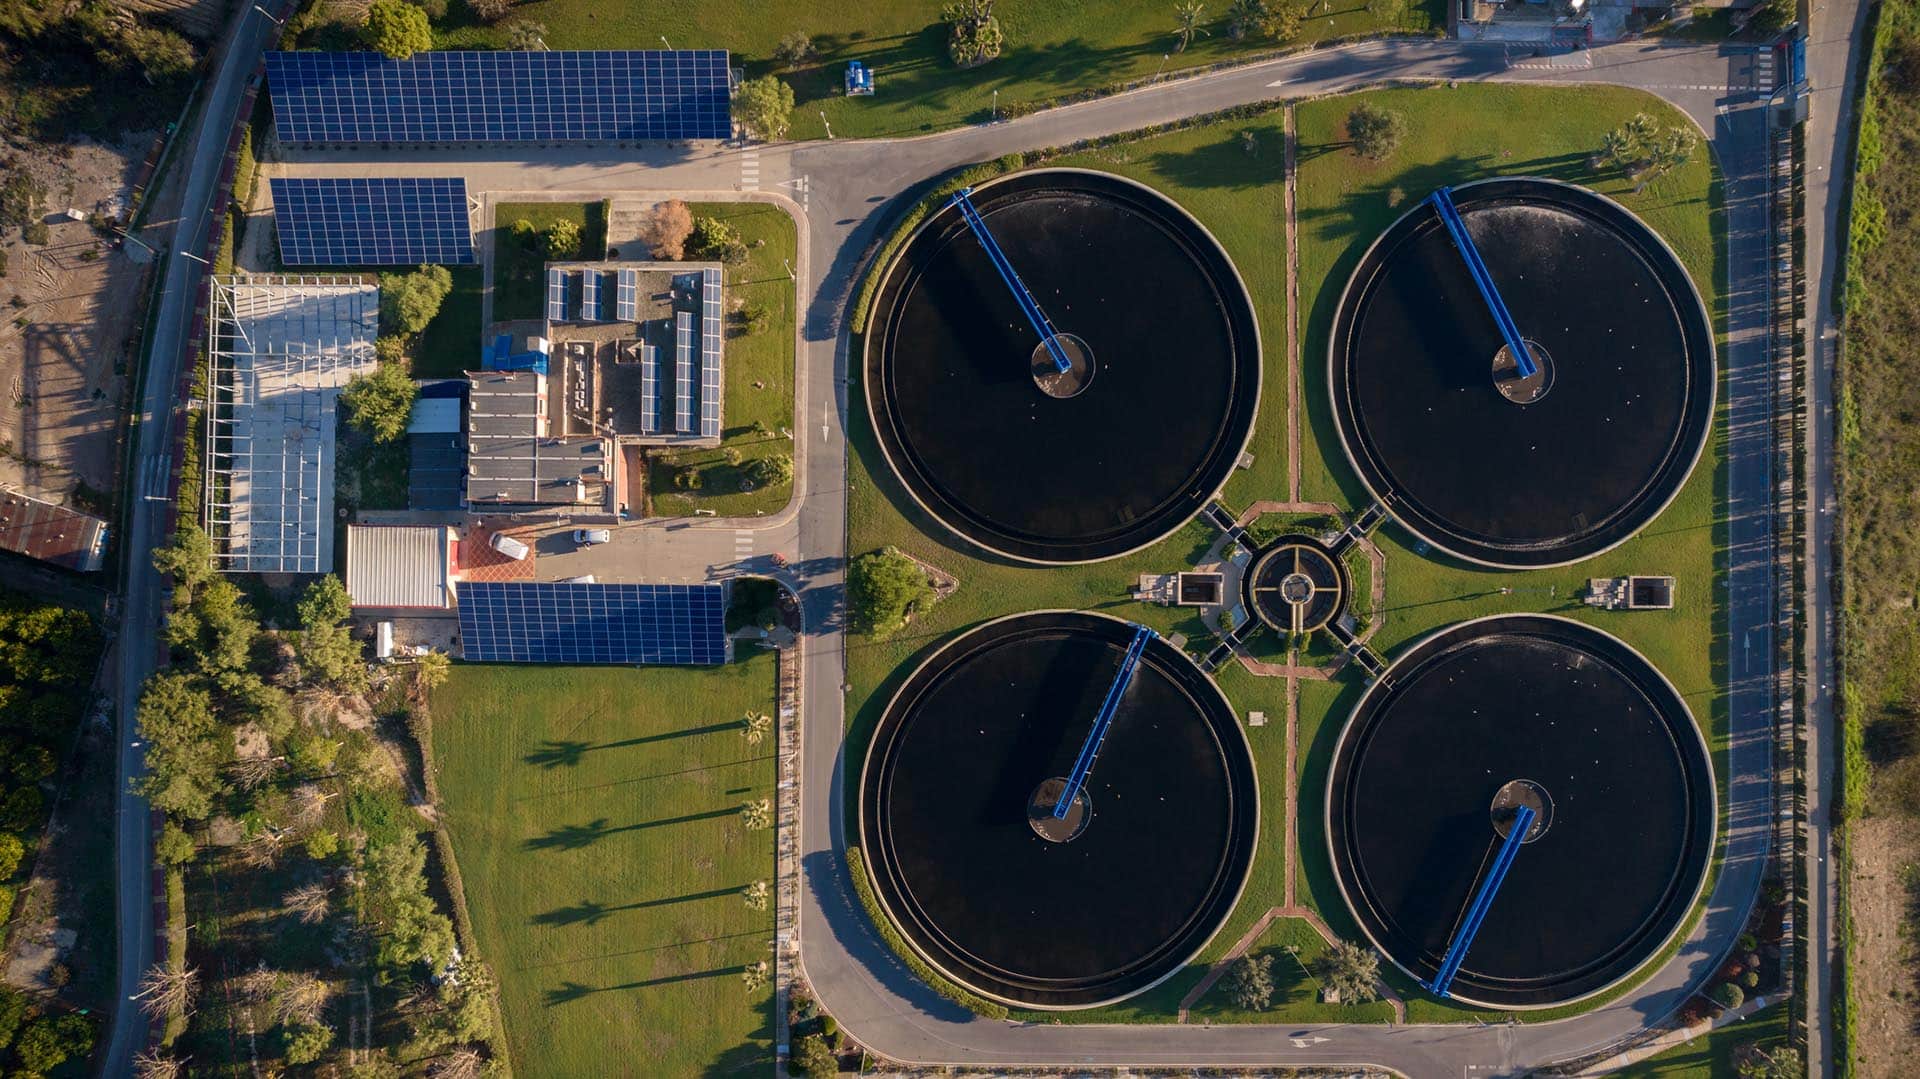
(509, 546)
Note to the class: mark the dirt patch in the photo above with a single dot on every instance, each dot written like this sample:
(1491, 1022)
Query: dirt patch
(1886, 872)
(65, 354)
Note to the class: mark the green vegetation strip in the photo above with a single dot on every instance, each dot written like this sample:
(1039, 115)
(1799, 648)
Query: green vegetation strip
(596, 815)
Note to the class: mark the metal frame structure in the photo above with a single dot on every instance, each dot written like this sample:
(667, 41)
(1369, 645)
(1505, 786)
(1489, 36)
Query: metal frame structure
(963, 202)
(1442, 983)
(1090, 749)
(1449, 214)
(279, 350)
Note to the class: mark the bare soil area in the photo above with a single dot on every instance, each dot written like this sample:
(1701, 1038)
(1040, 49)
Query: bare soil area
(1886, 881)
(66, 345)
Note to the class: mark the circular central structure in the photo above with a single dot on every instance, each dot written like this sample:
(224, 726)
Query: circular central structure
(1498, 469)
(1467, 726)
(1296, 585)
(986, 433)
(956, 805)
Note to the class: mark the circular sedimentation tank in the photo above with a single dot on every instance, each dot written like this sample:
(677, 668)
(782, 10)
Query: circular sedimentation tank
(1109, 456)
(1295, 585)
(1477, 720)
(1510, 471)
(955, 812)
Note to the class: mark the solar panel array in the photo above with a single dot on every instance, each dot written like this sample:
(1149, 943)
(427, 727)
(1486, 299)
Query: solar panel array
(709, 353)
(389, 221)
(529, 622)
(437, 97)
(626, 306)
(683, 371)
(556, 295)
(589, 297)
(649, 388)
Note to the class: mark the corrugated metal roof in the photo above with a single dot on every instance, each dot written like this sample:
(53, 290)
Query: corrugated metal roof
(51, 533)
(398, 565)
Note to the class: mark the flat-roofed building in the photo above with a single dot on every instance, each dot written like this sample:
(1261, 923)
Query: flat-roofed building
(50, 533)
(407, 566)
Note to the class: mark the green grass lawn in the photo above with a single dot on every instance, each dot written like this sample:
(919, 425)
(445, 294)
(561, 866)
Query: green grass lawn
(1714, 1055)
(759, 373)
(519, 278)
(1457, 135)
(1293, 946)
(450, 345)
(594, 814)
(1055, 48)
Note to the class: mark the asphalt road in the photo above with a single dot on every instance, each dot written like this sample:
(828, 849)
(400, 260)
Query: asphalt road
(843, 192)
(143, 604)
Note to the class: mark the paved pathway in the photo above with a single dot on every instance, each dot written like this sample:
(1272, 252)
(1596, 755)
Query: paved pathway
(843, 192)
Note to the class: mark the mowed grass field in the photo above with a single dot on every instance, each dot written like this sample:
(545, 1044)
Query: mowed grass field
(594, 813)
(1054, 48)
(1457, 135)
(1715, 1055)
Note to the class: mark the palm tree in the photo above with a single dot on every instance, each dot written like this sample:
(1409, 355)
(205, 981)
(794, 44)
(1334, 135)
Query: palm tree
(1244, 15)
(757, 815)
(755, 975)
(755, 895)
(754, 727)
(527, 36)
(1186, 17)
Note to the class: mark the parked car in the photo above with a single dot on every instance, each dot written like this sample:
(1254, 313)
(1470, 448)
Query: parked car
(587, 537)
(509, 546)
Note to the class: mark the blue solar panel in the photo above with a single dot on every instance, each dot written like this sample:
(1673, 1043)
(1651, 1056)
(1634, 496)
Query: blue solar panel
(590, 297)
(526, 622)
(499, 96)
(649, 388)
(683, 372)
(556, 295)
(391, 221)
(627, 305)
(709, 353)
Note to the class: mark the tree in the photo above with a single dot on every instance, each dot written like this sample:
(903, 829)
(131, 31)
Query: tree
(188, 556)
(815, 1059)
(1644, 151)
(310, 902)
(325, 603)
(11, 851)
(409, 301)
(156, 1064)
(435, 9)
(397, 29)
(1186, 23)
(1280, 19)
(973, 33)
(174, 847)
(1244, 15)
(306, 1043)
(1376, 132)
(754, 976)
(430, 671)
(253, 771)
(1250, 982)
(48, 1042)
(756, 317)
(563, 239)
(754, 727)
(381, 402)
(764, 106)
(1351, 971)
(1728, 995)
(885, 588)
(1782, 1062)
(184, 751)
(489, 10)
(756, 895)
(527, 36)
(794, 49)
(1773, 16)
(665, 230)
(757, 815)
(772, 470)
(167, 990)
(299, 999)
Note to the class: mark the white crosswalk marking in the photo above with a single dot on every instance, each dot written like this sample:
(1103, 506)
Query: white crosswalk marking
(742, 543)
(750, 169)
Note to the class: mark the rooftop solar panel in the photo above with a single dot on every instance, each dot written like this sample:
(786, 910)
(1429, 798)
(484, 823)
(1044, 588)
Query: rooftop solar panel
(556, 295)
(589, 297)
(709, 353)
(438, 97)
(529, 622)
(649, 388)
(386, 221)
(683, 372)
(627, 304)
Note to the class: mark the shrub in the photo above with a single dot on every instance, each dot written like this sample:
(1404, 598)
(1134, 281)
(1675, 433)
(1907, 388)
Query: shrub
(772, 470)
(794, 49)
(1751, 979)
(174, 847)
(36, 233)
(715, 239)
(322, 845)
(1376, 132)
(435, 9)
(306, 1043)
(563, 239)
(756, 317)
(11, 851)
(6, 903)
(1728, 995)
(489, 10)
(815, 1060)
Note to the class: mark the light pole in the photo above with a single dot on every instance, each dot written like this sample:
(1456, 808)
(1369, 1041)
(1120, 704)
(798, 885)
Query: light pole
(996, 106)
(269, 15)
(664, 41)
(1162, 67)
(196, 258)
(823, 121)
(790, 274)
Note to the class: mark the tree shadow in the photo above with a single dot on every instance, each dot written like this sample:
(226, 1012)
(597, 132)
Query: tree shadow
(569, 991)
(568, 753)
(592, 912)
(569, 837)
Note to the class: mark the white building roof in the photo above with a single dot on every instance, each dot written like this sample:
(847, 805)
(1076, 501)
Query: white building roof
(400, 565)
(434, 416)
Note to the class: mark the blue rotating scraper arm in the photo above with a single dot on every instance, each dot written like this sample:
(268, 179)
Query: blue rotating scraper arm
(1469, 926)
(1030, 307)
(1442, 200)
(1090, 749)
